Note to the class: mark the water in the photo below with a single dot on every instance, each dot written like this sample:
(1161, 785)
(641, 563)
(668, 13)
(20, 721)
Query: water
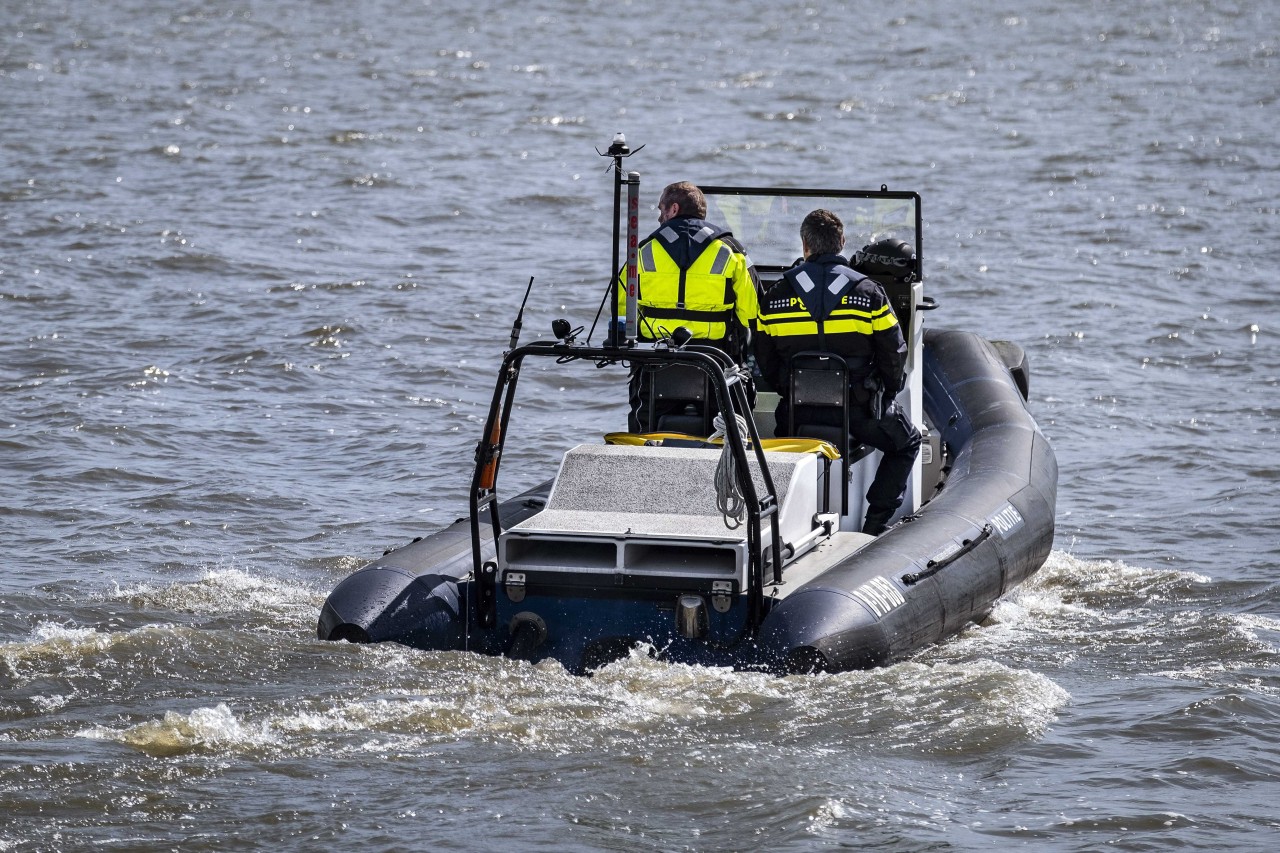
(258, 261)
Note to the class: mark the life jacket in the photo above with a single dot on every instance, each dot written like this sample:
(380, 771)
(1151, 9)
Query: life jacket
(691, 275)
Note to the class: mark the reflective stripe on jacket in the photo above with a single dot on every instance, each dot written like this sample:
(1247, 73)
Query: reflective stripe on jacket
(824, 305)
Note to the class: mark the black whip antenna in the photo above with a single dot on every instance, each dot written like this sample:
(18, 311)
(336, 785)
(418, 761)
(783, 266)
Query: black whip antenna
(515, 327)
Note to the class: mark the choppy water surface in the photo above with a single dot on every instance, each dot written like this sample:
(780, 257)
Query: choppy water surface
(258, 262)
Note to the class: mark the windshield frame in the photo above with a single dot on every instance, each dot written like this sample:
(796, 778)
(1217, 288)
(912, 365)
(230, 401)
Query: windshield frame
(771, 236)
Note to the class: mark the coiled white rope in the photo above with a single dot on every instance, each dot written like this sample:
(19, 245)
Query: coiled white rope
(729, 498)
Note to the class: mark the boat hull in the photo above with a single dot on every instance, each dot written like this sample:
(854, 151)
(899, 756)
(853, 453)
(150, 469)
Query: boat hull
(989, 528)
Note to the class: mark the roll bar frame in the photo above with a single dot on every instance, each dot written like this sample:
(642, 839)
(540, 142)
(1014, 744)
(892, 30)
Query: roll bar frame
(727, 382)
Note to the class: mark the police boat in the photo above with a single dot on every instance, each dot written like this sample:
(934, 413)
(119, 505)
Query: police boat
(725, 546)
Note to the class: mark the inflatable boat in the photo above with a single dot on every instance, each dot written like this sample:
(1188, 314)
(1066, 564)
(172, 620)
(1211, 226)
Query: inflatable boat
(719, 542)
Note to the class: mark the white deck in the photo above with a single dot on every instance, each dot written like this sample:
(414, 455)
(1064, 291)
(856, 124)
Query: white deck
(827, 553)
(652, 510)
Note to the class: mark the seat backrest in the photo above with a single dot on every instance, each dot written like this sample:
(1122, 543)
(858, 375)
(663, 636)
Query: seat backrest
(680, 382)
(820, 405)
(671, 390)
(818, 379)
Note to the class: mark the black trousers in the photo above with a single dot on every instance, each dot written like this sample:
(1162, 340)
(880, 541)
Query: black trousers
(898, 439)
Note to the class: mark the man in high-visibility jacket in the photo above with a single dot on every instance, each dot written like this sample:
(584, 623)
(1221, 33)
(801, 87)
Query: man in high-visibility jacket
(692, 274)
(823, 304)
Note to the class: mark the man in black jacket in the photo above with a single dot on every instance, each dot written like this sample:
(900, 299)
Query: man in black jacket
(823, 304)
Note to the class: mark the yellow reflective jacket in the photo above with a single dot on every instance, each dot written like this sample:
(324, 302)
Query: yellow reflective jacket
(695, 275)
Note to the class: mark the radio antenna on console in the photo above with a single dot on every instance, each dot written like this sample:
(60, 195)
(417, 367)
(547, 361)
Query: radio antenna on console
(618, 151)
(515, 327)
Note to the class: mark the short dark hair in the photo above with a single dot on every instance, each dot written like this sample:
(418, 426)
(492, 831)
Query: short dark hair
(691, 200)
(822, 232)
